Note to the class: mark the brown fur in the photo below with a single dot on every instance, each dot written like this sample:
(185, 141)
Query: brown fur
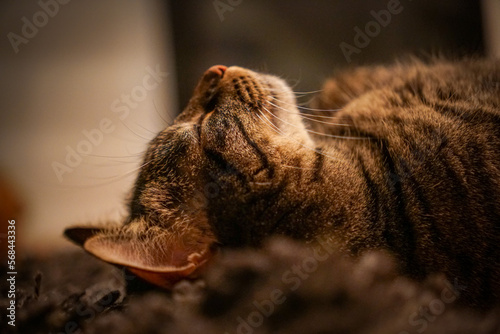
(413, 169)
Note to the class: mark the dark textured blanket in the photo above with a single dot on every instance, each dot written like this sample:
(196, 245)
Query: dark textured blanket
(283, 288)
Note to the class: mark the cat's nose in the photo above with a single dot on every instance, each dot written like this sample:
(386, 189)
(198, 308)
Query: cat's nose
(212, 76)
(207, 86)
(217, 70)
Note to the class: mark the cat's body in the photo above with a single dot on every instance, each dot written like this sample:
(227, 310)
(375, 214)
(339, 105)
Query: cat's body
(431, 167)
(412, 167)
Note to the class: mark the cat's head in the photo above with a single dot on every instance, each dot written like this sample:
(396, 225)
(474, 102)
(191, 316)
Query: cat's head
(217, 176)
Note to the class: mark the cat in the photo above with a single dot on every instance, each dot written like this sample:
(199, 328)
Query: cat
(403, 158)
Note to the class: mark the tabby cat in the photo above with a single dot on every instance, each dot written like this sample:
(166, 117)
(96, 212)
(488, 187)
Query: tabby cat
(404, 158)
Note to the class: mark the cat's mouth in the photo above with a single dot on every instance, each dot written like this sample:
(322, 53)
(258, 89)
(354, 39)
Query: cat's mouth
(229, 99)
(272, 101)
(267, 95)
(260, 90)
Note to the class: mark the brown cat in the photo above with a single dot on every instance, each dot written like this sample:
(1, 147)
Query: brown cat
(409, 163)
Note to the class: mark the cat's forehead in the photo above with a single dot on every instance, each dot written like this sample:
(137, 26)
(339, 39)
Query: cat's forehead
(166, 171)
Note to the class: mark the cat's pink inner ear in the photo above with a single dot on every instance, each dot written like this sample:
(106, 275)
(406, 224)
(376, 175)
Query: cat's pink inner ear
(162, 260)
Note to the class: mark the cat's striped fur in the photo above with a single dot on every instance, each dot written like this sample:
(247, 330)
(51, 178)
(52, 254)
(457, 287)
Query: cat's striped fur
(404, 158)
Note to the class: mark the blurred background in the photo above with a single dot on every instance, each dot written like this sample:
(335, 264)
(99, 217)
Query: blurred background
(85, 85)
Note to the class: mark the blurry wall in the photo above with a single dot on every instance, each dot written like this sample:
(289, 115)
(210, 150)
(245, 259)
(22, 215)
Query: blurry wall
(301, 40)
(491, 25)
(84, 85)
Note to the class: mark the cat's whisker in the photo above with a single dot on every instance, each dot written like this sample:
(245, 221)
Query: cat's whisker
(112, 161)
(145, 129)
(323, 122)
(307, 103)
(167, 122)
(110, 179)
(301, 113)
(307, 108)
(138, 154)
(317, 116)
(275, 128)
(135, 133)
(304, 104)
(289, 81)
(119, 177)
(305, 93)
(315, 132)
(310, 116)
(298, 95)
(292, 86)
(111, 164)
(277, 89)
(309, 92)
(131, 156)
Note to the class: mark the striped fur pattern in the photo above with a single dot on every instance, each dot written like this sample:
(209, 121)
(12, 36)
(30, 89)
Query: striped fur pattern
(404, 158)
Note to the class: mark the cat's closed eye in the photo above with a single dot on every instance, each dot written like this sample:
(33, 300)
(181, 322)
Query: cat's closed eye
(401, 158)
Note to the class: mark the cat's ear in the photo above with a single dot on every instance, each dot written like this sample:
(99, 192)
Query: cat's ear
(80, 234)
(156, 255)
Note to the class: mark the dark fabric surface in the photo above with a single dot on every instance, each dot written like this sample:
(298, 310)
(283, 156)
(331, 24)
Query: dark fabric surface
(283, 288)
